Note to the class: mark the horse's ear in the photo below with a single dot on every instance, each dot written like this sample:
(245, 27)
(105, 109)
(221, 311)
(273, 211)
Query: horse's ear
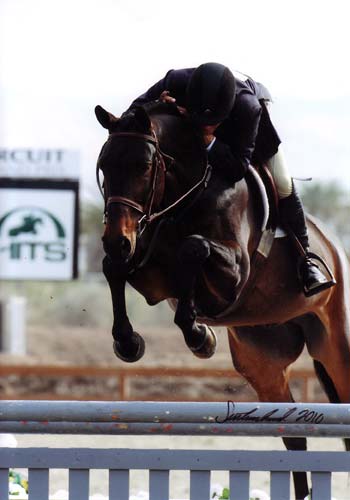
(143, 119)
(107, 120)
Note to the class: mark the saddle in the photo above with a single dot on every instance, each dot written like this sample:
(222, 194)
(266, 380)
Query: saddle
(261, 179)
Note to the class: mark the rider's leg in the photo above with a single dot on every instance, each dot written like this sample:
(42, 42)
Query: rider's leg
(292, 213)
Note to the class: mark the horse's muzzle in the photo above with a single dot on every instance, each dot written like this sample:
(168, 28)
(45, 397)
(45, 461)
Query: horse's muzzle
(118, 249)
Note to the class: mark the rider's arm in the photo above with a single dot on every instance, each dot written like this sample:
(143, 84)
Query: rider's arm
(151, 94)
(175, 82)
(233, 158)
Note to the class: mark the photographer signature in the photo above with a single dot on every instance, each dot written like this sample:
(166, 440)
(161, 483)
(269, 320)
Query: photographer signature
(304, 415)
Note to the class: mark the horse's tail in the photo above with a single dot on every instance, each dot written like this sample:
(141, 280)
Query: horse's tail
(326, 382)
(329, 388)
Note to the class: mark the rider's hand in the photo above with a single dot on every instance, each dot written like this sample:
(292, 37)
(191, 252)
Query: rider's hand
(166, 97)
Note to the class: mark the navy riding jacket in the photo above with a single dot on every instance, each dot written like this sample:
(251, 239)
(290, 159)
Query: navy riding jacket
(246, 137)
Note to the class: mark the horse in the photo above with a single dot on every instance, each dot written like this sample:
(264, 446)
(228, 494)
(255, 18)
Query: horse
(176, 230)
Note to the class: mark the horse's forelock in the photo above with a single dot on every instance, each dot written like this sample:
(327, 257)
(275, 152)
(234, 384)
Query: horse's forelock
(130, 122)
(126, 123)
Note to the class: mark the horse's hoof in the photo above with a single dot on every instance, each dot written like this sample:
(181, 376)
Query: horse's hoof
(208, 346)
(130, 355)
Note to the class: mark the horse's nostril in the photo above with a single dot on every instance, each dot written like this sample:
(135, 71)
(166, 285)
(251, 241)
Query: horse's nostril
(125, 247)
(125, 243)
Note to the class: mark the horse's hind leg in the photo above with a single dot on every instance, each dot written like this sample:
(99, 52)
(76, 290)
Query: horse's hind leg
(328, 344)
(199, 338)
(262, 355)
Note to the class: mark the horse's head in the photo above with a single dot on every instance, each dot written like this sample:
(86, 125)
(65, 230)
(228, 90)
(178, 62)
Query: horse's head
(133, 171)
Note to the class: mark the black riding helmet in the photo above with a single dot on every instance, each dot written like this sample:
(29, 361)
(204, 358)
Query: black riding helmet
(210, 93)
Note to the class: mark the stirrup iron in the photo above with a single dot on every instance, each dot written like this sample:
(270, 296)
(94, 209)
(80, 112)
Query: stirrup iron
(323, 286)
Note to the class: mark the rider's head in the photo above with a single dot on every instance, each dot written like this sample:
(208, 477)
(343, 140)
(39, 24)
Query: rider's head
(210, 93)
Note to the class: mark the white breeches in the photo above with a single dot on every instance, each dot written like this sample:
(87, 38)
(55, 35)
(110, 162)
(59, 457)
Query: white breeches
(279, 171)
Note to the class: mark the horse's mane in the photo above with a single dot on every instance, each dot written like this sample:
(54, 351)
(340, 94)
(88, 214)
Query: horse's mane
(161, 108)
(153, 108)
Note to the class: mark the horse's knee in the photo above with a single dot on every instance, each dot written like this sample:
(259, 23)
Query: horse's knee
(185, 313)
(194, 250)
(107, 267)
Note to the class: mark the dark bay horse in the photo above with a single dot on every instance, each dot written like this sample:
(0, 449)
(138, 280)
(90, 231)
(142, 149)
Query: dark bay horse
(174, 232)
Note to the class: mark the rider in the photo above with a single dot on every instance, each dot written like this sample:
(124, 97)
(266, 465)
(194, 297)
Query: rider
(231, 112)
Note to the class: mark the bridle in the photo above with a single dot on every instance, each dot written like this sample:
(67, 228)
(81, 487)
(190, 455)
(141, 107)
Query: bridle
(159, 170)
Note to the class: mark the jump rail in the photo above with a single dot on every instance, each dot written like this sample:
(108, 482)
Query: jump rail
(229, 419)
(94, 417)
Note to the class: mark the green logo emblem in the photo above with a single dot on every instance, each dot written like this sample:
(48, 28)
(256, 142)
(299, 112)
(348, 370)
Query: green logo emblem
(32, 233)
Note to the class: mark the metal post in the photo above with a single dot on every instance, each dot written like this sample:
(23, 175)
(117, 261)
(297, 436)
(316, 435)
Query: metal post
(14, 326)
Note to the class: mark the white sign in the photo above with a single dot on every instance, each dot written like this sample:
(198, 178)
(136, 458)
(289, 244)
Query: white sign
(39, 163)
(37, 233)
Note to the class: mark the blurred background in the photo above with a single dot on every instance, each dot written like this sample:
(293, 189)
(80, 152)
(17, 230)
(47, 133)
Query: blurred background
(59, 59)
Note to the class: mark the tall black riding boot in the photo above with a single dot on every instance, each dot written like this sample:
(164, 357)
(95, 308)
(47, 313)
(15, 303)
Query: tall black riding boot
(292, 215)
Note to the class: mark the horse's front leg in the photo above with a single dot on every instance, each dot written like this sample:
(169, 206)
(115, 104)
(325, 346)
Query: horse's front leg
(128, 345)
(199, 338)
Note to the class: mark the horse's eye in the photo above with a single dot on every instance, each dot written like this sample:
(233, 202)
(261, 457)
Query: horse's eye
(145, 165)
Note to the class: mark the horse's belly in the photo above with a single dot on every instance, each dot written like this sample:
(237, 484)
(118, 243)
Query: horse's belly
(274, 297)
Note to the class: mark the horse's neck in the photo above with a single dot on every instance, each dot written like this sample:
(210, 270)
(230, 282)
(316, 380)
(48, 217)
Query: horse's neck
(238, 206)
(177, 139)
